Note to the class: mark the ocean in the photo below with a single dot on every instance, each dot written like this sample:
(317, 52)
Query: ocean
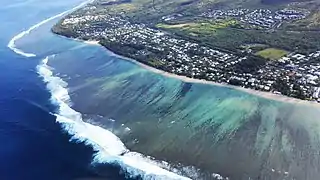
(44, 138)
(73, 110)
(34, 145)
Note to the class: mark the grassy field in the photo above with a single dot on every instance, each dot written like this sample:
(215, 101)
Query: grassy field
(272, 53)
(125, 7)
(226, 34)
(200, 27)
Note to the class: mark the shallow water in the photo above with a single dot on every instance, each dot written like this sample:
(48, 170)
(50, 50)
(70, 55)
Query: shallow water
(216, 129)
(200, 129)
(97, 152)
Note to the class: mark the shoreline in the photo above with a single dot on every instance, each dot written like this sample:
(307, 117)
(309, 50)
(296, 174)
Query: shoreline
(266, 95)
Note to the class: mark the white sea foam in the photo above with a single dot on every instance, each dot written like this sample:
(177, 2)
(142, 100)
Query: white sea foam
(12, 42)
(109, 147)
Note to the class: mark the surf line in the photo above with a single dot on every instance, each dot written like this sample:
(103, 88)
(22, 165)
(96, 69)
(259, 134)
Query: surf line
(12, 42)
(110, 149)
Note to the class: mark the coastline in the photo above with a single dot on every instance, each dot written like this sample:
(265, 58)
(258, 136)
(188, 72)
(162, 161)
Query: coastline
(11, 43)
(245, 119)
(267, 95)
(97, 135)
(262, 94)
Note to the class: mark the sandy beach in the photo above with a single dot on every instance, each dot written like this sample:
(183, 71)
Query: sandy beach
(267, 95)
(216, 130)
(91, 42)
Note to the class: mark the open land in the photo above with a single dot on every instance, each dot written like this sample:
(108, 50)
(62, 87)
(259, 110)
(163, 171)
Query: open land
(259, 45)
(224, 43)
(216, 129)
(263, 94)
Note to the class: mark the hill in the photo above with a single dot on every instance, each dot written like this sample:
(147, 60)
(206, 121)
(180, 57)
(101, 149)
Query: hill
(245, 43)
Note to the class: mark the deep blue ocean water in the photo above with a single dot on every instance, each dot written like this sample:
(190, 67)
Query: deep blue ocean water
(42, 137)
(33, 145)
(34, 96)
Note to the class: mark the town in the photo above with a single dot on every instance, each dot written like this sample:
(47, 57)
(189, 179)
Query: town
(258, 18)
(294, 74)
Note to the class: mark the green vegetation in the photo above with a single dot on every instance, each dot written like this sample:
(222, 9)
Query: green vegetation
(201, 28)
(155, 63)
(206, 39)
(225, 33)
(310, 23)
(272, 53)
(232, 39)
(125, 7)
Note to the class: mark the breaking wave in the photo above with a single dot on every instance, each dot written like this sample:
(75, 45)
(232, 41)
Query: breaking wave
(12, 42)
(109, 147)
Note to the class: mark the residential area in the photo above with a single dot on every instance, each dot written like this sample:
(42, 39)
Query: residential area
(258, 18)
(295, 75)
